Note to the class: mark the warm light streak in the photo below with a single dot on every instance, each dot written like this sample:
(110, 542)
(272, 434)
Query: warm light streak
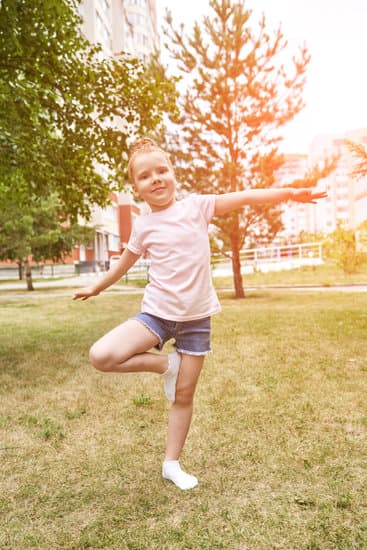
(334, 32)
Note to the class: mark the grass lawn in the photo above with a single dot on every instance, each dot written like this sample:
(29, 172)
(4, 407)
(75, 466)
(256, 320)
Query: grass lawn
(327, 274)
(278, 439)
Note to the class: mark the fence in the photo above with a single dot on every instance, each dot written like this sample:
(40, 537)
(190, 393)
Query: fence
(139, 271)
(49, 271)
(272, 258)
(39, 271)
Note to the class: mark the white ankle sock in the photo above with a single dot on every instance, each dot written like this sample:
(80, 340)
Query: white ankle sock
(171, 470)
(170, 376)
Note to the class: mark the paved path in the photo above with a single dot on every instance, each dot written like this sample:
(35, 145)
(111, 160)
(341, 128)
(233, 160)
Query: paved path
(64, 288)
(80, 280)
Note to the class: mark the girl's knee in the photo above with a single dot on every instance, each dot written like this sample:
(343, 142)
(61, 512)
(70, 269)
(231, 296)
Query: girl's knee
(99, 359)
(184, 396)
(105, 359)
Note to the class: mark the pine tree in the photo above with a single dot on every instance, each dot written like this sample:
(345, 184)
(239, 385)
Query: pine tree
(240, 89)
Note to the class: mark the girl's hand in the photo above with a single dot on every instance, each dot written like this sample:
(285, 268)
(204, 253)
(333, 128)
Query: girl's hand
(307, 195)
(85, 293)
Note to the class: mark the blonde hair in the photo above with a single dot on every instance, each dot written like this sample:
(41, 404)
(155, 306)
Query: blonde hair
(143, 145)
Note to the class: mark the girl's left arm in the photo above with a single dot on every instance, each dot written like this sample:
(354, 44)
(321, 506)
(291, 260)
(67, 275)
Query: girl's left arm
(252, 197)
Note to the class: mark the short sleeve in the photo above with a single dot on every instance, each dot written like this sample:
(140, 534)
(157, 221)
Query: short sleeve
(206, 204)
(135, 245)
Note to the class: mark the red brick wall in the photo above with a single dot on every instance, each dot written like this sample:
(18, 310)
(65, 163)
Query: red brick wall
(125, 222)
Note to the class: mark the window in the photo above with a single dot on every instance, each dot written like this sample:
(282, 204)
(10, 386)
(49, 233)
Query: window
(137, 19)
(105, 5)
(141, 3)
(103, 34)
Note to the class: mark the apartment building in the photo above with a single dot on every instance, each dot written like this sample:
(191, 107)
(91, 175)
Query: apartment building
(121, 25)
(347, 196)
(295, 217)
(118, 26)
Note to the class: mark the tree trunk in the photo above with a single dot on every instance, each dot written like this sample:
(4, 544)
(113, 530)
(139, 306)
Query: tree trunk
(28, 275)
(20, 271)
(236, 268)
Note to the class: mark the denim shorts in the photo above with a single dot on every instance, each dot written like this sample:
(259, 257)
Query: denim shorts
(191, 337)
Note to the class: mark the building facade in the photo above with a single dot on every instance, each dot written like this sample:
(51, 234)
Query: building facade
(121, 25)
(295, 217)
(347, 196)
(128, 26)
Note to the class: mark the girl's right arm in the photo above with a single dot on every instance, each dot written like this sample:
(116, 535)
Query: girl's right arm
(127, 260)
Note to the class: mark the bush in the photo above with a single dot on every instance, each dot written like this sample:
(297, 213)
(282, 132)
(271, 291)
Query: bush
(341, 246)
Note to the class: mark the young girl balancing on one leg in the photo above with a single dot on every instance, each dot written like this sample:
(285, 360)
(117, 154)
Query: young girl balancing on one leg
(179, 299)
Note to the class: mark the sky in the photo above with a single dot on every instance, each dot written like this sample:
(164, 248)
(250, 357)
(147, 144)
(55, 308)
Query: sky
(335, 34)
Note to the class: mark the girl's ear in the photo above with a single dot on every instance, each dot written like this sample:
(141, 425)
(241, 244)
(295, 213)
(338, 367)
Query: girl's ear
(135, 191)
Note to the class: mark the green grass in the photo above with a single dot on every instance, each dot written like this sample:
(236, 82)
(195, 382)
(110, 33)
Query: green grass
(327, 274)
(278, 439)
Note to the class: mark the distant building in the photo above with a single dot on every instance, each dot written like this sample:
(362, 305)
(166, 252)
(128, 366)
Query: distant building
(347, 196)
(121, 25)
(295, 217)
(118, 26)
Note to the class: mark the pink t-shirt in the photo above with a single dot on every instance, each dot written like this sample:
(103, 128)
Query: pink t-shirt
(176, 241)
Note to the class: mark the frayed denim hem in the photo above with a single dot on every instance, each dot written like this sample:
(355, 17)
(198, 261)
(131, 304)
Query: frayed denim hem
(196, 353)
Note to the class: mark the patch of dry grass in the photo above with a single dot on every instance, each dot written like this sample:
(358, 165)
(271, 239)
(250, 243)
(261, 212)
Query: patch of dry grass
(278, 439)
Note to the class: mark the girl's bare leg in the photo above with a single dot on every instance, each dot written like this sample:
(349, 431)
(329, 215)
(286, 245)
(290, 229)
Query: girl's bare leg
(180, 419)
(124, 349)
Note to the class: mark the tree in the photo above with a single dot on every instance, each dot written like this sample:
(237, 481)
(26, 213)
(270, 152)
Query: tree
(341, 246)
(360, 152)
(59, 104)
(34, 229)
(240, 92)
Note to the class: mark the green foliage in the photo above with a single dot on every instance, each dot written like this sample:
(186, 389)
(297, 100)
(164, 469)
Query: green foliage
(142, 401)
(59, 104)
(305, 237)
(46, 428)
(341, 246)
(34, 228)
(240, 93)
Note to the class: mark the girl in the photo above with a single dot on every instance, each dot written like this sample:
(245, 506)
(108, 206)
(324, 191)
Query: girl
(180, 298)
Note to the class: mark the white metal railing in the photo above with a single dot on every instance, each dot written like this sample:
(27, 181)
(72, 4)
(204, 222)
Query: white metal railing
(138, 271)
(271, 258)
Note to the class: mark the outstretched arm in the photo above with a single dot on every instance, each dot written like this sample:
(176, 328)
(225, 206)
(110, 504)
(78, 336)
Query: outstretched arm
(232, 201)
(127, 260)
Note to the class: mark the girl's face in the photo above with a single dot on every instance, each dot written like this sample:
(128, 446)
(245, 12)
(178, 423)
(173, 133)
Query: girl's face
(154, 179)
